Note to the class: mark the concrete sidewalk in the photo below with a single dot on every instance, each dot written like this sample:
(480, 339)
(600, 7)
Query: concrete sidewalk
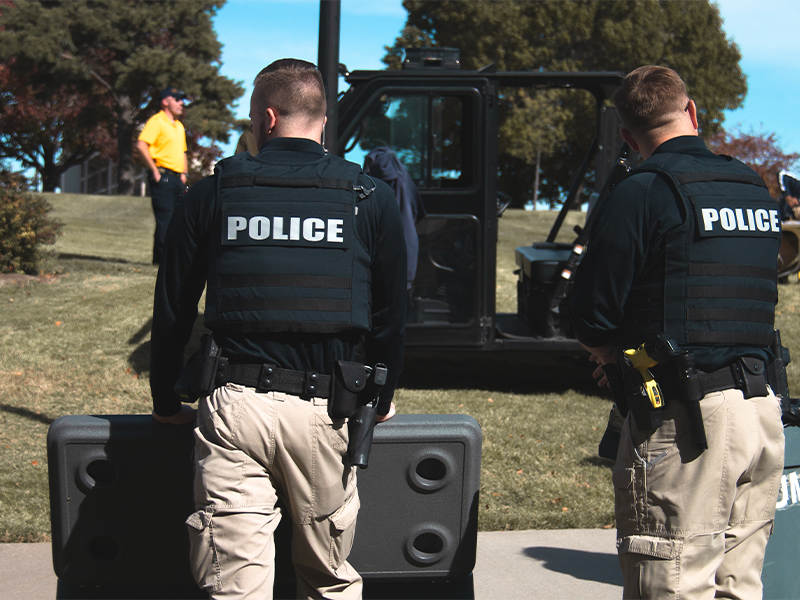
(548, 565)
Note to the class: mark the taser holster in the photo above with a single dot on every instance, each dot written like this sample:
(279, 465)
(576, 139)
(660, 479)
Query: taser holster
(643, 396)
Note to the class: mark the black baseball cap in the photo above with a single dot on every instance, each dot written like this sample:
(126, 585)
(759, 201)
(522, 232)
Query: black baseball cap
(174, 92)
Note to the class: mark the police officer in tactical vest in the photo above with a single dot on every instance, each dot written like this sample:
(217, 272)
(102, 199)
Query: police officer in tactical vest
(304, 262)
(681, 263)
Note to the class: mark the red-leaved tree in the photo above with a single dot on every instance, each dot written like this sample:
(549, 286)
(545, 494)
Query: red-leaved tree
(759, 151)
(50, 128)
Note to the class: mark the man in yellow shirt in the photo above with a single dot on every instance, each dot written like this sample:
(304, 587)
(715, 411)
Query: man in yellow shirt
(162, 145)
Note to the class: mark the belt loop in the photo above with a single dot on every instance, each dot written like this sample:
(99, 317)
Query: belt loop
(311, 383)
(265, 378)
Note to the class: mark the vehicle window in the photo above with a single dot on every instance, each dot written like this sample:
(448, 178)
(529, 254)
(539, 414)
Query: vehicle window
(425, 131)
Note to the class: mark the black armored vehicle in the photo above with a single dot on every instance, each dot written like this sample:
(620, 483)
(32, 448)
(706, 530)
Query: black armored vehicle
(442, 123)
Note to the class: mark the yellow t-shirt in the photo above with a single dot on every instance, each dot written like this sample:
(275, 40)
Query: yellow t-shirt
(167, 141)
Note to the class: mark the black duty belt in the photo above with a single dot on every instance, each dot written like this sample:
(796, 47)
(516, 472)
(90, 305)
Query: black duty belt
(165, 171)
(746, 374)
(269, 378)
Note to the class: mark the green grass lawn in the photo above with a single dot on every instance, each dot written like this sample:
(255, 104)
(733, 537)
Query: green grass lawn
(78, 343)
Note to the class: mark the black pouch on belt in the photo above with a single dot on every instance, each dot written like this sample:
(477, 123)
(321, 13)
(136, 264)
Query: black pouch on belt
(349, 379)
(751, 376)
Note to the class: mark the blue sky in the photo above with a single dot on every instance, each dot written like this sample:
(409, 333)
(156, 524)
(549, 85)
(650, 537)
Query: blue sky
(256, 32)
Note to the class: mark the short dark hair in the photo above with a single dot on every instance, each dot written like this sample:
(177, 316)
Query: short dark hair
(293, 88)
(650, 97)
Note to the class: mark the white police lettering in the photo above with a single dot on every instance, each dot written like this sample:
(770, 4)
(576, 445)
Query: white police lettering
(741, 219)
(762, 220)
(259, 228)
(335, 230)
(235, 225)
(311, 229)
(790, 491)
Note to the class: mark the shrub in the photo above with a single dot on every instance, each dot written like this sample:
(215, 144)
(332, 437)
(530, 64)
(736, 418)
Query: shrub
(24, 227)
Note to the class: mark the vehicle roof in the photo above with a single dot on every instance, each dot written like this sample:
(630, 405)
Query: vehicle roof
(601, 83)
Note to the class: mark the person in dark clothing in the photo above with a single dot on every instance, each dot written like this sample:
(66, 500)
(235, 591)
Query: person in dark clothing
(790, 195)
(303, 257)
(382, 162)
(686, 247)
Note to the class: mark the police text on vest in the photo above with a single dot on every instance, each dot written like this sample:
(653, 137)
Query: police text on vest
(741, 219)
(311, 229)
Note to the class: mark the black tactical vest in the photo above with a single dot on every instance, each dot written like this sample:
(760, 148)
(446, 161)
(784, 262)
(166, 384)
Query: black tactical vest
(716, 284)
(285, 255)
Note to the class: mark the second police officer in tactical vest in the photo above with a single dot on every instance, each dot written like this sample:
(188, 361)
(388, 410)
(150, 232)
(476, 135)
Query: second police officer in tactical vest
(304, 260)
(682, 260)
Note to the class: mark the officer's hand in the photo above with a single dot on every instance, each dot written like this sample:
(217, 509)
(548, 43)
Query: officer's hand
(156, 176)
(187, 414)
(183, 179)
(599, 374)
(387, 416)
(602, 356)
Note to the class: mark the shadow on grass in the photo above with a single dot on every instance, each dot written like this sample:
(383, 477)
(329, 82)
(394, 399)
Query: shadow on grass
(602, 567)
(26, 413)
(598, 461)
(139, 359)
(143, 332)
(518, 373)
(105, 259)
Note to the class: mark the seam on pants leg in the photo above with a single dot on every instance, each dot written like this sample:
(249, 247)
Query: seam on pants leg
(722, 522)
(201, 532)
(306, 519)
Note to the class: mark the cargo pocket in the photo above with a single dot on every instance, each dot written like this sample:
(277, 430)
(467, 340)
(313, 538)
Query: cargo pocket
(343, 530)
(203, 556)
(649, 566)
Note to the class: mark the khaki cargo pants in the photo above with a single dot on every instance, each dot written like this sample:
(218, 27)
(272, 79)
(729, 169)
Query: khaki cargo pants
(251, 449)
(693, 525)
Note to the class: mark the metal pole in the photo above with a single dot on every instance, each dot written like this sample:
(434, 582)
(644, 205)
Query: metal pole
(328, 63)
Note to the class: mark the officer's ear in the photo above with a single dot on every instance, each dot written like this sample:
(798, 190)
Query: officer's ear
(628, 137)
(691, 108)
(271, 120)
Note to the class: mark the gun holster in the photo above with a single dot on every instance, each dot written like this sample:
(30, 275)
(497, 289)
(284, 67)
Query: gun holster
(361, 425)
(202, 370)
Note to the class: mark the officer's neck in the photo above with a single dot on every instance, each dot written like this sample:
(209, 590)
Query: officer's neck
(297, 129)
